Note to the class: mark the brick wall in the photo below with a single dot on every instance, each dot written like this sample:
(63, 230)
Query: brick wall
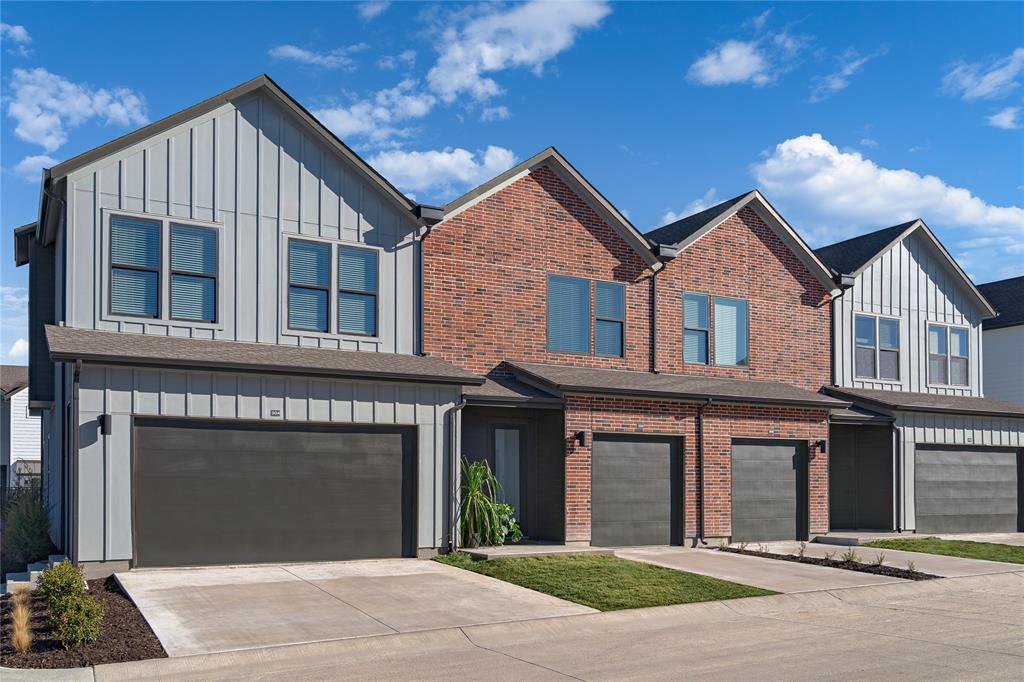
(722, 423)
(790, 323)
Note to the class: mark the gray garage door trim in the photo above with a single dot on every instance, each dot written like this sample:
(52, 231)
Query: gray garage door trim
(283, 492)
(636, 492)
(769, 489)
(967, 489)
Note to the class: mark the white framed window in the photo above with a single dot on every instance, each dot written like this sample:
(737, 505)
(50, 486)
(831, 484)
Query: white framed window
(876, 347)
(949, 355)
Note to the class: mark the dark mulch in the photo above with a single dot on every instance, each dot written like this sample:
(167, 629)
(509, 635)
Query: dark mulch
(124, 636)
(890, 571)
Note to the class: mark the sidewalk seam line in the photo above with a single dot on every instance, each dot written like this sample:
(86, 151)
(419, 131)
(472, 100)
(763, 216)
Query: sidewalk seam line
(516, 658)
(334, 596)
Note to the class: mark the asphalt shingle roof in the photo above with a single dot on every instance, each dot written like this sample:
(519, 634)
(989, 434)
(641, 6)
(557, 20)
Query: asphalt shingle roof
(1006, 296)
(673, 233)
(846, 257)
(13, 378)
(929, 402)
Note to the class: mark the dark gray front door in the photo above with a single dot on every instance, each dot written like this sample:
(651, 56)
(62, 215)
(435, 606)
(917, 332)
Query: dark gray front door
(209, 492)
(965, 490)
(860, 477)
(769, 490)
(636, 491)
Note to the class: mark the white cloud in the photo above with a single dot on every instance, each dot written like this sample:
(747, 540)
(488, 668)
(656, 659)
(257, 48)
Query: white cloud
(17, 39)
(500, 113)
(1007, 119)
(761, 19)
(850, 63)
(974, 81)
(19, 350)
(46, 106)
(334, 59)
(372, 10)
(709, 199)
(442, 172)
(30, 167)
(733, 61)
(869, 143)
(378, 117)
(405, 59)
(524, 35)
(835, 192)
(13, 312)
(13, 299)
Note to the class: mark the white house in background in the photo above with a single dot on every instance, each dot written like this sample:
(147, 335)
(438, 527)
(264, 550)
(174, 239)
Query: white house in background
(19, 445)
(1003, 340)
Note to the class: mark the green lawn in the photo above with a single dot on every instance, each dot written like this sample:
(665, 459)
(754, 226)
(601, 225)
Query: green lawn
(963, 548)
(606, 583)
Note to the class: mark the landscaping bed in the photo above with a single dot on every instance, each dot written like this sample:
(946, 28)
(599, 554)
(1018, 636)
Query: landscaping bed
(605, 583)
(844, 563)
(988, 551)
(124, 635)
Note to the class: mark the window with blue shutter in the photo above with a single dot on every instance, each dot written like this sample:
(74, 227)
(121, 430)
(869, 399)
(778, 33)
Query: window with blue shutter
(568, 314)
(309, 277)
(357, 291)
(695, 329)
(193, 273)
(609, 318)
(134, 267)
(731, 332)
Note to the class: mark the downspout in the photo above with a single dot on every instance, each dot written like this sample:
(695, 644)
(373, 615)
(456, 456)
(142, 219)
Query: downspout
(420, 313)
(453, 504)
(897, 478)
(75, 441)
(655, 269)
(700, 470)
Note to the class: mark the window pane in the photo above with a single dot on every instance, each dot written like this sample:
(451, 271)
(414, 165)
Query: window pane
(958, 371)
(958, 343)
(695, 347)
(193, 298)
(193, 249)
(889, 364)
(568, 314)
(730, 332)
(865, 362)
(865, 330)
(937, 369)
(357, 313)
(695, 311)
(609, 301)
(307, 309)
(134, 242)
(309, 264)
(889, 334)
(134, 292)
(357, 269)
(937, 340)
(608, 338)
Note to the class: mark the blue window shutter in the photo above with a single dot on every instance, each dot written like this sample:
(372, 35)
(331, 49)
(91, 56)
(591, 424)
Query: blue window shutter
(568, 314)
(309, 264)
(193, 249)
(193, 298)
(357, 270)
(730, 332)
(610, 314)
(134, 292)
(307, 309)
(134, 242)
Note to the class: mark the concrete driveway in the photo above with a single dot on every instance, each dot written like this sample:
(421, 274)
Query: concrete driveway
(207, 610)
(770, 574)
(936, 564)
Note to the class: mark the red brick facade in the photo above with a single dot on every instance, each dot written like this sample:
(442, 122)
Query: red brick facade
(485, 301)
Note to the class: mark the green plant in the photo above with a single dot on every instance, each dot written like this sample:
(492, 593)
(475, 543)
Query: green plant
(879, 559)
(26, 536)
(76, 619)
(62, 581)
(509, 530)
(480, 519)
(849, 555)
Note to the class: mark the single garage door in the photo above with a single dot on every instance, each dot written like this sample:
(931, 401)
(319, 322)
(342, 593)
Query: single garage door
(636, 491)
(769, 490)
(966, 490)
(208, 492)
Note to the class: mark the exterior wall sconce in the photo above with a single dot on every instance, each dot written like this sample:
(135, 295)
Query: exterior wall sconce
(105, 425)
(822, 446)
(581, 438)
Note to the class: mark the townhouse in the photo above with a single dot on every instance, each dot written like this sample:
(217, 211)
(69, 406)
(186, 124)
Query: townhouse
(1002, 340)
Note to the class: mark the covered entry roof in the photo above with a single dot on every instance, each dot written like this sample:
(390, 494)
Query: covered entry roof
(928, 402)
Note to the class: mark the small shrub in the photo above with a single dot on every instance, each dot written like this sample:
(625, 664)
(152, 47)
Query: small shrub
(62, 581)
(879, 560)
(478, 509)
(723, 544)
(26, 536)
(743, 546)
(830, 556)
(912, 567)
(762, 548)
(76, 619)
(509, 529)
(803, 549)
(21, 622)
(849, 555)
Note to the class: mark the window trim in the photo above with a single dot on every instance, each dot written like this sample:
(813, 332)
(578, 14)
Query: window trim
(171, 272)
(707, 330)
(949, 354)
(711, 321)
(878, 349)
(595, 317)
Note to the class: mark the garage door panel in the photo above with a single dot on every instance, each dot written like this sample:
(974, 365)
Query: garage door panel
(767, 503)
(966, 490)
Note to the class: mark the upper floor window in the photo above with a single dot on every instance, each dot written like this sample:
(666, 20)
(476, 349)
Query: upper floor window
(695, 329)
(948, 355)
(310, 285)
(135, 258)
(877, 353)
(570, 320)
(193, 273)
(731, 336)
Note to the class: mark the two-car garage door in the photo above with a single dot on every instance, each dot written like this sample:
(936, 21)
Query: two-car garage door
(209, 492)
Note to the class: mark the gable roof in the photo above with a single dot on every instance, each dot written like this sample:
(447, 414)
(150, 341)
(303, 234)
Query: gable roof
(852, 256)
(684, 232)
(1007, 296)
(572, 177)
(892, 401)
(13, 378)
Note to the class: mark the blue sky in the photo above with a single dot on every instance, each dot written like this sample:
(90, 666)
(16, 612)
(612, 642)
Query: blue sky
(850, 117)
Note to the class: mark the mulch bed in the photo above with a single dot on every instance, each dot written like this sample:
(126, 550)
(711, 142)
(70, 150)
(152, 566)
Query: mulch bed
(890, 571)
(124, 636)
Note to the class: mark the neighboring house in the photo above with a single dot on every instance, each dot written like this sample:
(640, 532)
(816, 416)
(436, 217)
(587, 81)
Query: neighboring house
(224, 332)
(922, 448)
(1002, 340)
(19, 430)
(640, 389)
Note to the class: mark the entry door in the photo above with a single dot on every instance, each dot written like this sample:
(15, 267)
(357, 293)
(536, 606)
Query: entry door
(769, 490)
(506, 464)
